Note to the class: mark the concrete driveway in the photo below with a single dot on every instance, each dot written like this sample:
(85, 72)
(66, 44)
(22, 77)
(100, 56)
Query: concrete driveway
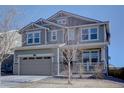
(12, 81)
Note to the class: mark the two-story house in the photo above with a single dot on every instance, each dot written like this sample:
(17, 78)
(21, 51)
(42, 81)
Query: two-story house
(43, 39)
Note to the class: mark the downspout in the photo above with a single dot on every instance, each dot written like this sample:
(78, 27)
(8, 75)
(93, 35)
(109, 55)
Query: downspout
(58, 61)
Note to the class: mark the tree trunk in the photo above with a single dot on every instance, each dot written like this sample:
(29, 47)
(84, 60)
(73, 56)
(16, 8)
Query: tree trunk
(69, 73)
(0, 68)
(0, 71)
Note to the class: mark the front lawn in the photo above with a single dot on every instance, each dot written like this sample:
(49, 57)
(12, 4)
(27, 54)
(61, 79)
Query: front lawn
(76, 83)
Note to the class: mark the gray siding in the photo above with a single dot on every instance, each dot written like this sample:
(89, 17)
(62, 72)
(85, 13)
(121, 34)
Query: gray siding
(59, 40)
(71, 21)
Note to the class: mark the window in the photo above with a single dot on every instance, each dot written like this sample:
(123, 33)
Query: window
(47, 57)
(89, 34)
(85, 34)
(30, 38)
(39, 57)
(25, 58)
(61, 21)
(53, 35)
(36, 37)
(91, 56)
(31, 58)
(70, 35)
(33, 37)
(93, 33)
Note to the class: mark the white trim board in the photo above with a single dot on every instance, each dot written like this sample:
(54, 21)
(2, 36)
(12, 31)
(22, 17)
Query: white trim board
(40, 46)
(37, 55)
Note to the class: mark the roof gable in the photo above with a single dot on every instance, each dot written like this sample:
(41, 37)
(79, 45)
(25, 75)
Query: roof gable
(41, 20)
(64, 13)
(32, 26)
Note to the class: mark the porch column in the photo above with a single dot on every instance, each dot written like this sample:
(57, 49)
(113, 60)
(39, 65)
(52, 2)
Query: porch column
(58, 61)
(18, 60)
(103, 57)
(45, 36)
(52, 66)
(88, 66)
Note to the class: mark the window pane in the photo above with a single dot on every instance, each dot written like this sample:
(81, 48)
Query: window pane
(93, 36)
(93, 33)
(47, 57)
(31, 58)
(84, 34)
(30, 40)
(84, 37)
(94, 56)
(39, 57)
(37, 35)
(86, 57)
(36, 40)
(30, 35)
(85, 54)
(25, 58)
(93, 30)
(85, 31)
(54, 35)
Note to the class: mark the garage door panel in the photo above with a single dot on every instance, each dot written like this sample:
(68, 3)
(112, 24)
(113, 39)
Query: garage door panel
(36, 67)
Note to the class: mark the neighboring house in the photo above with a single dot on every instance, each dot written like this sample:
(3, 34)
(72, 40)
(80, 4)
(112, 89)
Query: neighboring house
(42, 41)
(7, 64)
(15, 36)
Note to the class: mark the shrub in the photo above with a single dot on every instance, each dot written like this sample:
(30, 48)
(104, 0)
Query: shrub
(118, 73)
(99, 68)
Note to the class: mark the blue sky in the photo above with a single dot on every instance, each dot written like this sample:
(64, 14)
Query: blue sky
(114, 14)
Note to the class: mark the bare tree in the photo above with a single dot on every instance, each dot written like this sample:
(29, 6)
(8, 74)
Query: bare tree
(69, 54)
(7, 39)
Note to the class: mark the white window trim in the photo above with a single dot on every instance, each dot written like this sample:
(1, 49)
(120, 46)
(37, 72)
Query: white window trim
(33, 37)
(89, 34)
(53, 35)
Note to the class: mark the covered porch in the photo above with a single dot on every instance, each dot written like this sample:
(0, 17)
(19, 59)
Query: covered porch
(90, 57)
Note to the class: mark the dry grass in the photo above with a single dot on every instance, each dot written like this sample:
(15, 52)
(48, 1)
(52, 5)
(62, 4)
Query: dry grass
(76, 83)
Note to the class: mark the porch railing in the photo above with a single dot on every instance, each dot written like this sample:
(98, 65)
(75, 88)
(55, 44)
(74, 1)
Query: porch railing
(85, 67)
